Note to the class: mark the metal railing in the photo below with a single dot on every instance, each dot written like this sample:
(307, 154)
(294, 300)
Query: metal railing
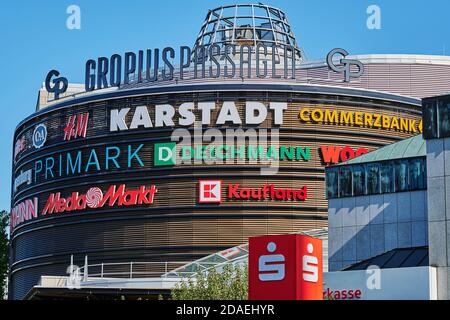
(135, 270)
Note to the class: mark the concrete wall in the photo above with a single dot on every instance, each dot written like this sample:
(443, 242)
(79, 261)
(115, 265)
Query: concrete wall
(438, 173)
(366, 226)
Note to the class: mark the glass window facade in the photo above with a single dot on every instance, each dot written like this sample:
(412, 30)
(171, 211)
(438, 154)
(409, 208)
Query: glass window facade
(249, 24)
(332, 183)
(345, 182)
(436, 117)
(387, 177)
(373, 178)
(359, 180)
(376, 178)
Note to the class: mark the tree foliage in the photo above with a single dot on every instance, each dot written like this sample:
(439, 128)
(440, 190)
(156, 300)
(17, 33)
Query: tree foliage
(229, 284)
(4, 221)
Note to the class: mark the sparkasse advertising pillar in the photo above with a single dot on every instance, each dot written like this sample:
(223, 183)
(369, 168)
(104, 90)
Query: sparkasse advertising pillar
(285, 267)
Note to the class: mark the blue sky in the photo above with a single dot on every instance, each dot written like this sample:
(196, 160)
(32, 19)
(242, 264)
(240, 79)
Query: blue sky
(35, 39)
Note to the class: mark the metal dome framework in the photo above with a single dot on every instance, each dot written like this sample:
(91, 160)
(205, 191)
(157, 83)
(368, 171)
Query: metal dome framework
(247, 24)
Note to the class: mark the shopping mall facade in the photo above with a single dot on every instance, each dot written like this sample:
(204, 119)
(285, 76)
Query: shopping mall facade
(173, 162)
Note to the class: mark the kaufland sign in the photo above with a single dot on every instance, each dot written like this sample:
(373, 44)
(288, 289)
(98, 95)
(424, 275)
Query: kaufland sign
(210, 191)
(285, 267)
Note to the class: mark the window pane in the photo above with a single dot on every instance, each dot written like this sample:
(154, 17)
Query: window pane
(444, 118)
(416, 174)
(429, 120)
(246, 34)
(260, 11)
(244, 22)
(245, 11)
(387, 178)
(229, 12)
(373, 178)
(359, 181)
(401, 176)
(332, 184)
(345, 182)
(264, 34)
(262, 23)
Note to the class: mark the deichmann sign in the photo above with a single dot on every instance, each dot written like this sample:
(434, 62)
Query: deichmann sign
(165, 154)
(362, 119)
(94, 199)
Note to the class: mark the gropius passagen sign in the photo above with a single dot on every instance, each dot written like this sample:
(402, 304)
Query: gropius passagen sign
(285, 267)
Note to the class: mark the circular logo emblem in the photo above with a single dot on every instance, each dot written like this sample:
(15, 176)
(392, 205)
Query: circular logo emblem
(39, 136)
(93, 197)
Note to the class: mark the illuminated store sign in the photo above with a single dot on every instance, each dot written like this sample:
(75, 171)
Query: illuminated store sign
(39, 136)
(166, 153)
(94, 199)
(73, 163)
(336, 154)
(266, 192)
(76, 126)
(362, 119)
(22, 178)
(19, 147)
(166, 115)
(24, 211)
(210, 192)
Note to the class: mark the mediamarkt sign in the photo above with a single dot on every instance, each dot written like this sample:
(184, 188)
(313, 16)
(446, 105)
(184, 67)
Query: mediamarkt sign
(94, 199)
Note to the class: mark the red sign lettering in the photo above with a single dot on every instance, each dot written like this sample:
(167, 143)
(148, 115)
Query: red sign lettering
(76, 126)
(94, 198)
(335, 154)
(342, 294)
(266, 192)
(24, 211)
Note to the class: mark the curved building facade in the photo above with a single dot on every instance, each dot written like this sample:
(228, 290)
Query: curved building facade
(179, 168)
(100, 185)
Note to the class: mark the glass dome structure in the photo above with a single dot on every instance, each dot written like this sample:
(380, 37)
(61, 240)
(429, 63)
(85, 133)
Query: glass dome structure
(248, 24)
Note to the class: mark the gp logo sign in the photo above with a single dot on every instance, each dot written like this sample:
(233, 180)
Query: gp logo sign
(285, 267)
(59, 86)
(346, 64)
